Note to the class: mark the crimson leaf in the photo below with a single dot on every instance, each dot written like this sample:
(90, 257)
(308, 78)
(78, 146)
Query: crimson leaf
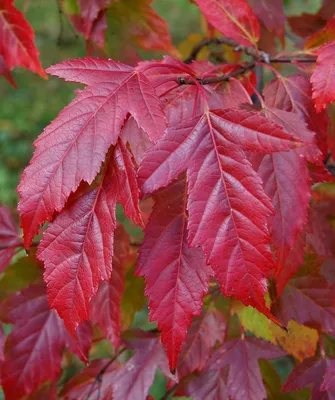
(9, 237)
(227, 206)
(17, 39)
(176, 276)
(78, 139)
(77, 248)
(34, 347)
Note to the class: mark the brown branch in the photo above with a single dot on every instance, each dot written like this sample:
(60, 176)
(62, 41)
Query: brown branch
(98, 378)
(258, 55)
(217, 79)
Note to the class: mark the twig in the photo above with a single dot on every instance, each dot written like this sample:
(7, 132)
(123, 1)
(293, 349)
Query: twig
(217, 79)
(250, 51)
(98, 378)
(170, 391)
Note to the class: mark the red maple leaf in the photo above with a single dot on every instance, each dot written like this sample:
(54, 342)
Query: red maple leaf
(9, 237)
(105, 305)
(323, 77)
(34, 347)
(235, 20)
(78, 139)
(225, 194)
(77, 248)
(17, 39)
(176, 276)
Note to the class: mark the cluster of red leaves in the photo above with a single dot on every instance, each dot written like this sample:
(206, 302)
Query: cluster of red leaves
(231, 184)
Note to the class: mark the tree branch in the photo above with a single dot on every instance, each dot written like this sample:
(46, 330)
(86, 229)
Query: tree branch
(258, 55)
(98, 378)
(217, 79)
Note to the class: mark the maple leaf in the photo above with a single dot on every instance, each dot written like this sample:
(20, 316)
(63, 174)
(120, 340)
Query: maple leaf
(2, 344)
(34, 347)
(225, 194)
(272, 15)
(133, 380)
(9, 237)
(234, 20)
(77, 248)
(105, 305)
(309, 300)
(84, 383)
(210, 385)
(17, 39)
(323, 77)
(203, 334)
(136, 21)
(321, 37)
(287, 182)
(309, 373)
(176, 276)
(293, 93)
(78, 139)
(242, 355)
(90, 11)
(4, 71)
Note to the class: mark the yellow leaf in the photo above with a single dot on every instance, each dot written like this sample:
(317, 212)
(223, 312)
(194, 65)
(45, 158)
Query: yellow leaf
(300, 341)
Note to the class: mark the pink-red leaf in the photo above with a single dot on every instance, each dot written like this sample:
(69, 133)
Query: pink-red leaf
(17, 39)
(242, 355)
(323, 77)
(4, 71)
(77, 248)
(9, 237)
(133, 380)
(73, 146)
(105, 306)
(329, 378)
(235, 20)
(34, 347)
(176, 276)
(227, 207)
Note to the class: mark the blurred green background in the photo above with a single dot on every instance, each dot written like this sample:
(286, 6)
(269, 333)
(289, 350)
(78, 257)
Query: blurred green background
(24, 112)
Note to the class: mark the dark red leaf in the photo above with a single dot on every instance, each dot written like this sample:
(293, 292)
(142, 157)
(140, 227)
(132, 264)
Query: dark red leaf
(105, 306)
(234, 20)
(17, 39)
(293, 93)
(309, 373)
(309, 300)
(323, 77)
(241, 356)
(133, 380)
(78, 139)
(176, 276)
(272, 15)
(77, 248)
(9, 237)
(204, 332)
(329, 378)
(225, 194)
(34, 347)
(210, 385)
